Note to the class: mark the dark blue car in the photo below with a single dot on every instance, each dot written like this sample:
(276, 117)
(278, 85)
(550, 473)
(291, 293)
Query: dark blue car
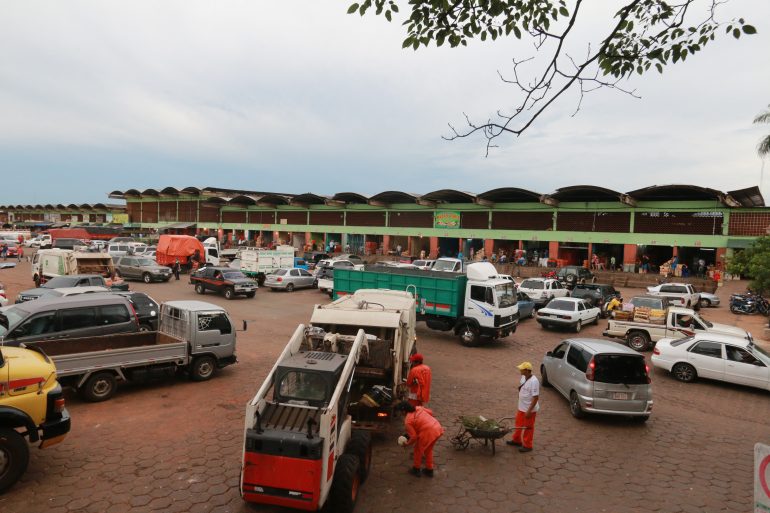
(526, 306)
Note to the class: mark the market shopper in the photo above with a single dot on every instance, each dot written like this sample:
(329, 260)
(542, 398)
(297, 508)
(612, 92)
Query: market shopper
(529, 405)
(418, 380)
(176, 268)
(422, 432)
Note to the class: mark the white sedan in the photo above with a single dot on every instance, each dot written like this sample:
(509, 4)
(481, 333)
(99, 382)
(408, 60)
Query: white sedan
(569, 312)
(721, 357)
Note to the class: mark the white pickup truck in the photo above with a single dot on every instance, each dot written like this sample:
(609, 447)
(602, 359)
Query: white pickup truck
(678, 293)
(680, 322)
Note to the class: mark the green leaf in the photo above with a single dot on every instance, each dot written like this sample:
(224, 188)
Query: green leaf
(353, 8)
(563, 11)
(660, 68)
(517, 32)
(388, 16)
(749, 29)
(736, 33)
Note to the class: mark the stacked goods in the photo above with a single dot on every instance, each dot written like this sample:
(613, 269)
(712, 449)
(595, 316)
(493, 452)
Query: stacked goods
(628, 307)
(657, 316)
(621, 315)
(642, 314)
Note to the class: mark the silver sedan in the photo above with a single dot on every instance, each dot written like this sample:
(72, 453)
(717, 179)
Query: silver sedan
(289, 279)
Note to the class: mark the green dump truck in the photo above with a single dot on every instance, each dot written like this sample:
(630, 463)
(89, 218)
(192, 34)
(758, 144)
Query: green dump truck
(473, 305)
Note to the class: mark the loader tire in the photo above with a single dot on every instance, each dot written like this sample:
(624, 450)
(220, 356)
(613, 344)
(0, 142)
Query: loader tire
(360, 445)
(347, 479)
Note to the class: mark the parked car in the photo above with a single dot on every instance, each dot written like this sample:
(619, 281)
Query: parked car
(312, 259)
(289, 279)
(425, 265)
(542, 290)
(526, 305)
(711, 356)
(355, 259)
(223, 280)
(146, 308)
(118, 249)
(13, 248)
(571, 275)
(598, 376)
(3, 296)
(68, 292)
(141, 268)
(599, 295)
(332, 264)
(123, 240)
(707, 299)
(101, 245)
(59, 282)
(683, 292)
(568, 312)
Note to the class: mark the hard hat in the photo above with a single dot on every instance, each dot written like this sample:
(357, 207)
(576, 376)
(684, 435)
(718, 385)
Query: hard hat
(416, 357)
(524, 366)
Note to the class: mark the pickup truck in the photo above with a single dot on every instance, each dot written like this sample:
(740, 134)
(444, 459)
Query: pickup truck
(223, 280)
(194, 337)
(678, 293)
(679, 322)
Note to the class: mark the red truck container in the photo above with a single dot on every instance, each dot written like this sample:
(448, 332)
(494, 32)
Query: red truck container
(183, 247)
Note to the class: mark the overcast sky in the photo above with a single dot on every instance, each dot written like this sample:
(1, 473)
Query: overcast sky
(300, 97)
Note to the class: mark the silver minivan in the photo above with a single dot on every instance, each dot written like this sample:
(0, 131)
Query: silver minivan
(599, 376)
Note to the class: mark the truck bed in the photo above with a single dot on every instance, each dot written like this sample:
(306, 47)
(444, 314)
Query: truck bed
(80, 355)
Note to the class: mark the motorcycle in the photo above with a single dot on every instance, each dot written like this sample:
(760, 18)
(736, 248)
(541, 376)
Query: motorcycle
(743, 305)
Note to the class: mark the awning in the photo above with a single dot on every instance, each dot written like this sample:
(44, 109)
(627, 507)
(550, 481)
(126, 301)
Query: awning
(42, 224)
(178, 226)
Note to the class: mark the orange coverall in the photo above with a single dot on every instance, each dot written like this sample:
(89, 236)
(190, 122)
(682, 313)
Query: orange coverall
(418, 381)
(424, 431)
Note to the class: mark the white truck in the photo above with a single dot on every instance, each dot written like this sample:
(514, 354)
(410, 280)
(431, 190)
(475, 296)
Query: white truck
(194, 337)
(258, 263)
(679, 322)
(48, 263)
(678, 293)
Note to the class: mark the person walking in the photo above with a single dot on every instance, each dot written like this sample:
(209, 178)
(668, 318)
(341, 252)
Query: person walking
(4, 251)
(612, 263)
(418, 380)
(176, 268)
(529, 405)
(422, 432)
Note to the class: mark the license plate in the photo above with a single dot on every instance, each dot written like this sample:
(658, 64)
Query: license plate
(619, 395)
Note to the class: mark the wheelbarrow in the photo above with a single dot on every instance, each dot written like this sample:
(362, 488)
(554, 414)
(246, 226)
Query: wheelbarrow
(479, 428)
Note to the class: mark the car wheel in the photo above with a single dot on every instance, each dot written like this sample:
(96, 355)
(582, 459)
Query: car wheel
(532, 313)
(544, 377)
(315, 284)
(229, 293)
(638, 341)
(145, 327)
(705, 303)
(290, 287)
(640, 419)
(147, 278)
(574, 406)
(578, 326)
(200, 289)
(684, 372)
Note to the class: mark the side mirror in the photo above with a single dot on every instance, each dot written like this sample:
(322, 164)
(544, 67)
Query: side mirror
(549, 353)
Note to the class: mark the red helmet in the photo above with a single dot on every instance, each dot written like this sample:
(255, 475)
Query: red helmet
(416, 357)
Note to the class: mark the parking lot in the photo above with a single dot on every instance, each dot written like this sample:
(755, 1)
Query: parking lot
(175, 445)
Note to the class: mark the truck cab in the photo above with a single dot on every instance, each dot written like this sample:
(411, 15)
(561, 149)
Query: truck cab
(490, 305)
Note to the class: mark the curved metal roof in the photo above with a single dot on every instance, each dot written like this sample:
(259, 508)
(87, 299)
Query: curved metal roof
(308, 198)
(749, 197)
(244, 200)
(191, 190)
(395, 197)
(350, 197)
(132, 192)
(586, 193)
(150, 192)
(216, 199)
(449, 196)
(676, 192)
(170, 190)
(510, 195)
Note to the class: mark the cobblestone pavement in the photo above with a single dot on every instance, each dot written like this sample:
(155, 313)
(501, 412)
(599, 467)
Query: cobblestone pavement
(175, 446)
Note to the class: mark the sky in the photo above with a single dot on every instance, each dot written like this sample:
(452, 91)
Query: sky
(298, 97)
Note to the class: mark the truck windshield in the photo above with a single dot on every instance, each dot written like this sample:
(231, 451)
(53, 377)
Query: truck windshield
(9, 318)
(302, 386)
(505, 295)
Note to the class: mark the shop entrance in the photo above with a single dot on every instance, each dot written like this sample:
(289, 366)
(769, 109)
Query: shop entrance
(605, 252)
(355, 244)
(693, 257)
(373, 244)
(447, 247)
(574, 253)
(536, 252)
(471, 246)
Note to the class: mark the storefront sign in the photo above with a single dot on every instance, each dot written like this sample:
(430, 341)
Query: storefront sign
(446, 219)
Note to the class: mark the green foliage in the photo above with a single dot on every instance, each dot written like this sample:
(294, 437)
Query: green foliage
(754, 263)
(763, 148)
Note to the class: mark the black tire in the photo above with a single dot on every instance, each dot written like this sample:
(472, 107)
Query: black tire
(544, 377)
(145, 327)
(574, 406)
(469, 335)
(251, 294)
(360, 445)
(101, 386)
(315, 284)
(229, 293)
(347, 479)
(704, 303)
(14, 457)
(290, 287)
(202, 368)
(261, 279)
(200, 289)
(684, 372)
(578, 326)
(640, 419)
(147, 278)
(638, 341)
(734, 309)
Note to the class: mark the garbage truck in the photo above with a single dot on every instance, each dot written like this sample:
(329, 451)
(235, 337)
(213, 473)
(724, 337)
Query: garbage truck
(474, 304)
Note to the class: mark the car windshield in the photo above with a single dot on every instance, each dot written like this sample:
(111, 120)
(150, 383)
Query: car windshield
(704, 321)
(145, 261)
(234, 275)
(10, 317)
(419, 263)
(557, 304)
(505, 295)
(761, 352)
(60, 282)
(620, 368)
(531, 284)
(678, 342)
(444, 265)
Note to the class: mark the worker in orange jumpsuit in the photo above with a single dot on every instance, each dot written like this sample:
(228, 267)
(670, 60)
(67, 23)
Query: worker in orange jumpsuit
(418, 380)
(422, 431)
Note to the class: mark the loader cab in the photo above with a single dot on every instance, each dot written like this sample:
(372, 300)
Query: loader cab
(308, 378)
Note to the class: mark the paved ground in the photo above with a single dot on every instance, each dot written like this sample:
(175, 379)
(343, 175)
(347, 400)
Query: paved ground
(175, 446)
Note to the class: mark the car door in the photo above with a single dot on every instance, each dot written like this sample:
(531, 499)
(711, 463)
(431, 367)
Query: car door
(554, 364)
(587, 313)
(744, 368)
(294, 277)
(708, 360)
(40, 326)
(306, 279)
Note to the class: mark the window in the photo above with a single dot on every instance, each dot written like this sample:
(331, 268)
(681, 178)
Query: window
(680, 290)
(477, 293)
(712, 349)
(37, 325)
(557, 285)
(303, 272)
(294, 272)
(560, 350)
(77, 318)
(620, 368)
(214, 321)
(532, 284)
(114, 314)
(303, 386)
(678, 342)
(581, 306)
(667, 288)
(737, 354)
(578, 358)
(560, 304)
(96, 282)
(281, 272)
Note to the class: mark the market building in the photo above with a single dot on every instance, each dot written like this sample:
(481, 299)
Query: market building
(569, 225)
(58, 216)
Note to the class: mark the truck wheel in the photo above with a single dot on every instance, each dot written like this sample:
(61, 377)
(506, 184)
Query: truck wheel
(99, 387)
(199, 288)
(347, 479)
(202, 368)
(147, 278)
(14, 457)
(360, 445)
(638, 341)
(229, 293)
(469, 335)
(684, 372)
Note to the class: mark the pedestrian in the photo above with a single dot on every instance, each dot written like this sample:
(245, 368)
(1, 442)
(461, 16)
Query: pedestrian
(422, 432)
(398, 250)
(176, 268)
(529, 405)
(19, 252)
(612, 263)
(418, 381)
(4, 251)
